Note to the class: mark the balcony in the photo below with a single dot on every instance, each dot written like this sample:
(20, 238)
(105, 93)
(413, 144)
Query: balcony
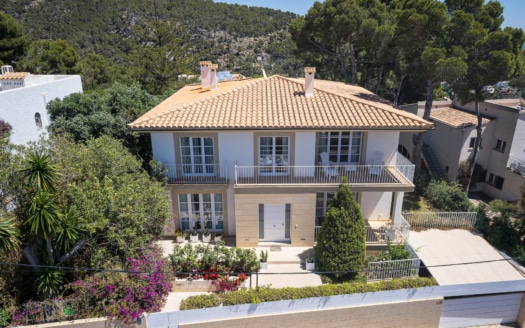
(197, 173)
(517, 166)
(333, 175)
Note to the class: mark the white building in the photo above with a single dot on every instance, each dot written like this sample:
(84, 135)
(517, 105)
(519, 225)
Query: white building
(502, 152)
(261, 158)
(24, 97)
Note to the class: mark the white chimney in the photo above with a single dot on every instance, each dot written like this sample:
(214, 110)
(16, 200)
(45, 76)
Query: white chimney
(214, 79)
(205, 76)
(309, 74)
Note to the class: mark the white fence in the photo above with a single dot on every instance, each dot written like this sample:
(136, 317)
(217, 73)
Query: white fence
(382, 270)
(197, 173)
(441, 220)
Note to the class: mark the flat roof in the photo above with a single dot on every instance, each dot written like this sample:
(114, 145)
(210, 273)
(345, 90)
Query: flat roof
(461, 257)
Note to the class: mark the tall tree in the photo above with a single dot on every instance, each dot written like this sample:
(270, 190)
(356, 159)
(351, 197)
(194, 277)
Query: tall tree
(161, 55)
(428, 60)
(51, 57)
(342, 31)
(13, 42)
(490, 54)
(341, 244)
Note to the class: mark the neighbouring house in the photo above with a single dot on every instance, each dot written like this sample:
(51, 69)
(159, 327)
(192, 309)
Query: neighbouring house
(24, 97)
(502, 153)
(261, 158)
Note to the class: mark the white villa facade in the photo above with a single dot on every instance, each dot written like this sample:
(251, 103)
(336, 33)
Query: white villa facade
(259, 159)
(24, 97)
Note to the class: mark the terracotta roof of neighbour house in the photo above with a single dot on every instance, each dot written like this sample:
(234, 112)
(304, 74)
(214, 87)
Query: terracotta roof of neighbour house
(276, 103)
(14, 76)
(457, 118)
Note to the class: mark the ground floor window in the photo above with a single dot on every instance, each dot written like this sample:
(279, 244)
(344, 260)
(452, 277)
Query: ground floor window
(495, 180)
(199, 211)
(321, 205)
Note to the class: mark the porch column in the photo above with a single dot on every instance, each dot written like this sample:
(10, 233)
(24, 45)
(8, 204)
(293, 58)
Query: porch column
(397, 205)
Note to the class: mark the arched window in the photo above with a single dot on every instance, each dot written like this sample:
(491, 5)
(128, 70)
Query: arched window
(38, 121)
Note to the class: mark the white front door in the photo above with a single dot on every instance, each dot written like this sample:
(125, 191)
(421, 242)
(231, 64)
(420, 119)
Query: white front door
(274, 222)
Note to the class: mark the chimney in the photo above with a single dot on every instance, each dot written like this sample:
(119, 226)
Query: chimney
(309, 73)
(214, 79)
(205, 76)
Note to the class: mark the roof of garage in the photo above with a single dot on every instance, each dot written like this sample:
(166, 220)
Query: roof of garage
(461, 257)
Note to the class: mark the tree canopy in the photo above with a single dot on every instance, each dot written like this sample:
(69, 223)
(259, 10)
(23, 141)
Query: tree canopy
(13, 42)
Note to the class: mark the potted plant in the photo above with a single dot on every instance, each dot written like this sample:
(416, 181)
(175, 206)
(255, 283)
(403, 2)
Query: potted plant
(217, 237)
(194, 236)
(310, 263)
(180, 236)
(206, 236)
(390, 233)
(263, 258)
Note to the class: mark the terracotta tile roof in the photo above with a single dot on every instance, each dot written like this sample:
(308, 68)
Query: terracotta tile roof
(276, 103)
(14, 76)
(457, 118)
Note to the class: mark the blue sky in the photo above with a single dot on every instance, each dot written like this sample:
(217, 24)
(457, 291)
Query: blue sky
(514, 10)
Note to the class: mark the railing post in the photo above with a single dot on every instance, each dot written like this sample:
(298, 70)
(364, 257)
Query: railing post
(235, 166)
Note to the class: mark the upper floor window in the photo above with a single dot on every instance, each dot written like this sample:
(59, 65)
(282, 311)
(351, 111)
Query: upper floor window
(500, 145)
(342, 147)
(472, 142)
(197, 155)
(38, 121)
(495, 180)
(274, 155)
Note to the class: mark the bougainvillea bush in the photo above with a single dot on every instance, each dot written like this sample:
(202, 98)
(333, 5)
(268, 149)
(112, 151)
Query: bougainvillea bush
(143, 287)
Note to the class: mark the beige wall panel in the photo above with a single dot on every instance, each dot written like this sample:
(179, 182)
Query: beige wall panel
(521, 314)
(302, 215)
(423, 313)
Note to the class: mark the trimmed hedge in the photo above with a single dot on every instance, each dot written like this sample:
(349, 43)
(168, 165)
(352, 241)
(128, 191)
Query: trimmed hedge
(263, 294)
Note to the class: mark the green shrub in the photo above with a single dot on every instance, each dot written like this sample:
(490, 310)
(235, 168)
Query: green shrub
(263, 294)
(219, 258)
(341, 245)
(392, 253)
(448, 197)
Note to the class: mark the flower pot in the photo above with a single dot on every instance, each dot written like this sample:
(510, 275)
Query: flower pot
(206, 239)
(217, 238)
(181, 239)
(194, 239)
(310, 266)
(264, 265)
(390, 235)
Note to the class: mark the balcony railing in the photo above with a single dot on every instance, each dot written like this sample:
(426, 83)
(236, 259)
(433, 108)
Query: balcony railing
(328, 175)
(197, 173)
(516, 165)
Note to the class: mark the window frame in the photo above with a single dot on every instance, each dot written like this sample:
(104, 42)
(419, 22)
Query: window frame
(495, 180)
(501, 145)
(276, 162)
(336, 150)
(203, 168)
(199, 213)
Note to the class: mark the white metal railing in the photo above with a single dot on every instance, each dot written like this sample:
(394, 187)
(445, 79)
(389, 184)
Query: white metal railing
(197, 173)
(393, 269)
(381, 270)
(380, 235)
(332, 174)
(405, 167)
(441, 220)
(516, 165)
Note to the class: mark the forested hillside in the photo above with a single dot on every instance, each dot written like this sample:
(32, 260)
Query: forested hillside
(232, 35)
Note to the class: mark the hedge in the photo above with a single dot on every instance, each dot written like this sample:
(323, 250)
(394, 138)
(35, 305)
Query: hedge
(264, 294)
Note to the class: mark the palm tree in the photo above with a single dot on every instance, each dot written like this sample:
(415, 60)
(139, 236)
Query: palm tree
(8, 233)
(40, 172)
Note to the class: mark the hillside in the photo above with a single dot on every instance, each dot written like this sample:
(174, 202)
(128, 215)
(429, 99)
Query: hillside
(232, 35)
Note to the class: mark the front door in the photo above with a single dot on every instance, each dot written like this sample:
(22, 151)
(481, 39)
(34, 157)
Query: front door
(274, 222)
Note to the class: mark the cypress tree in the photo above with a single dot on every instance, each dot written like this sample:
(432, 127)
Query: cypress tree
(341, 245)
